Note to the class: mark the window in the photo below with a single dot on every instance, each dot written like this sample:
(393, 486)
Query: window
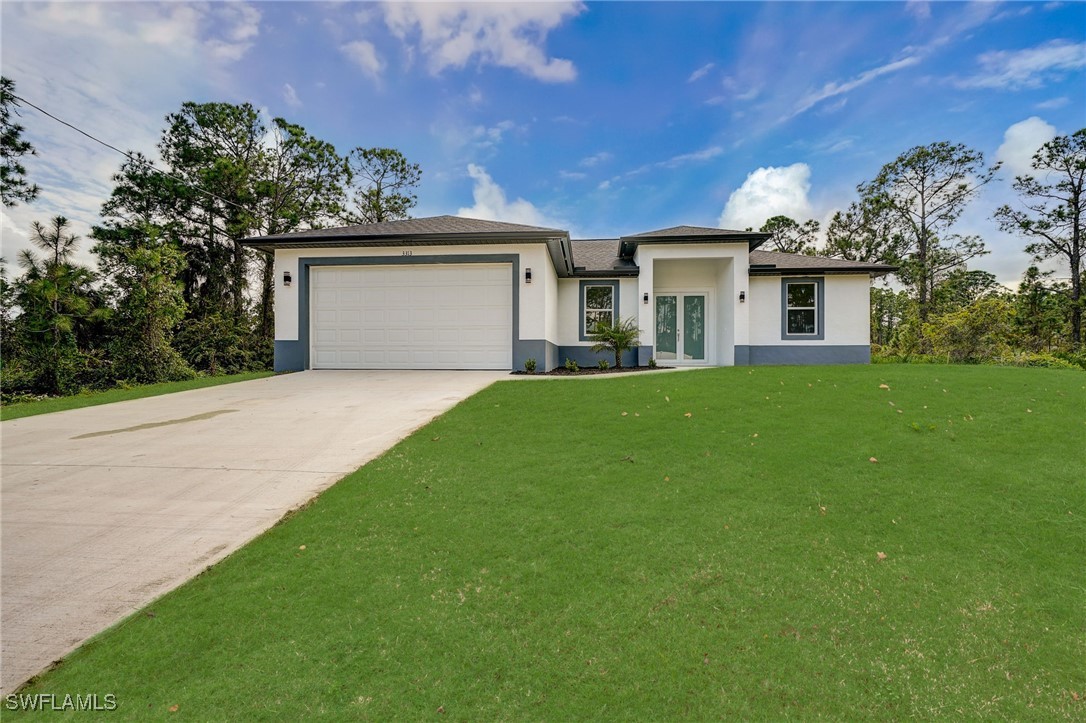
(599, 305)
(802, 307)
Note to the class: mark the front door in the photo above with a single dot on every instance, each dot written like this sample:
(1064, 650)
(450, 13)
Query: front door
(680, 328)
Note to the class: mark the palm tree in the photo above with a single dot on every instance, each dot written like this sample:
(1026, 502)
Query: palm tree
(618, 336)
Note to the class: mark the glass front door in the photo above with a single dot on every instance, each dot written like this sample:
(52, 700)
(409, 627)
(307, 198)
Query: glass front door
(680, 327)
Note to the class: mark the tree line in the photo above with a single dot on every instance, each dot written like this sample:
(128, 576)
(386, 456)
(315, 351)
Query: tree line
(946, 310)
(175, 293)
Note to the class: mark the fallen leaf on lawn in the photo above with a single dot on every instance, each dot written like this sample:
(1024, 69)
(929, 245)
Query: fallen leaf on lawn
(754, 435)
(891, 404)
(173, 708)
(301, 547)
(441, 709)
(884, 386)
(435, 439)
(667, 479)
(636, 414)
(881, 556)
(900, 412)
(705, 661)
(1075, 696)
(822, 509)
(872, 459)
(624, 414)
(1030, 411)
(688, 415)
(810, 385)
(667, 399)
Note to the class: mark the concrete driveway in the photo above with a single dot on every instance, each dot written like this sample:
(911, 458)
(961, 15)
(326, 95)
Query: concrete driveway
(106, 508)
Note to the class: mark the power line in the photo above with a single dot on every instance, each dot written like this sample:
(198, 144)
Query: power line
(129, 156)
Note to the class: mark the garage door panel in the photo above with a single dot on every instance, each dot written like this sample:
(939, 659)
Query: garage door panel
(451, 316)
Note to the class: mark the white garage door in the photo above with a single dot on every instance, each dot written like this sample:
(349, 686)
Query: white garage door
(449, 316)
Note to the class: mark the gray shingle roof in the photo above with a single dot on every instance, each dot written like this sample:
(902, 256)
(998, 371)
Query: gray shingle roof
(434, 225)
(776, 262)
(598, 254)
(687, 231)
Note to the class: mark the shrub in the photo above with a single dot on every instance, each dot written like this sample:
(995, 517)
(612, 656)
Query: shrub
(217, 345)
(976, 333)
(572, 366)
(652, 362)
(529, 365)
(602, 364)
(1036, 359)
(623, 334)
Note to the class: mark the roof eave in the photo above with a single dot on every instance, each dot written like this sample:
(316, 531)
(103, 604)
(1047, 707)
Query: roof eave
(315, 239)
(628, 244)
(835, 271)
(607, 273)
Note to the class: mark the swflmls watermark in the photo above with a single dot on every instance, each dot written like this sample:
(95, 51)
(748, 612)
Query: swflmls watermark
(52, 701)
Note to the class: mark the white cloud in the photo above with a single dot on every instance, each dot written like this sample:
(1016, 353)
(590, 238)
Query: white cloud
(491, 203)
(363, 54)
(508, 35)
(92, 64)
(290, 96)
(1053, 103)
(769, 192)
(682, 159)
(595, 159)
(676, 161)
(489, 137)
(832, 89)
(700, 72)
(241, 25)
(480, 139)
(919, 9)
(572, 175)
(1021, 141)
(1028, 68)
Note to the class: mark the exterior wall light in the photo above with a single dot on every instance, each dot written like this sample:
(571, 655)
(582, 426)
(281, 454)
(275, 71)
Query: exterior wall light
(528, 275)
(742, 296)
(645, 298)
(286, 278)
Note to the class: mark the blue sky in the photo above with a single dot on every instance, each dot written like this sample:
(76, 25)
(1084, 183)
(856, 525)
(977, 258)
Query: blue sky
(601, 118)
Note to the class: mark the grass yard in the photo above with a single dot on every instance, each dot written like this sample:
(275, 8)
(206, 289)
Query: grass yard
(696, 545)
(92, 399)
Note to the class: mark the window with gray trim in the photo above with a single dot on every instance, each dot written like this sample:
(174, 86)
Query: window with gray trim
(801, 301)
(599, 305)
(803, 314)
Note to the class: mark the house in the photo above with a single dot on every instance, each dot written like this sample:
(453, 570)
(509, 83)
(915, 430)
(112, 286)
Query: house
(459, 293)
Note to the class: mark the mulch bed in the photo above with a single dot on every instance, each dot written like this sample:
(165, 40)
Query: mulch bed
(587, 371)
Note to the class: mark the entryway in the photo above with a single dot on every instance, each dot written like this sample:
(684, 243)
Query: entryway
(682, 328)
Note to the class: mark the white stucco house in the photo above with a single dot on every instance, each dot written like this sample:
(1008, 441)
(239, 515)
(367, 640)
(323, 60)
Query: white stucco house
(459, 293)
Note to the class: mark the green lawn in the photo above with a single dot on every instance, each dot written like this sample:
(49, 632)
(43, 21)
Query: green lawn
(92, 399)
(699, 545)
